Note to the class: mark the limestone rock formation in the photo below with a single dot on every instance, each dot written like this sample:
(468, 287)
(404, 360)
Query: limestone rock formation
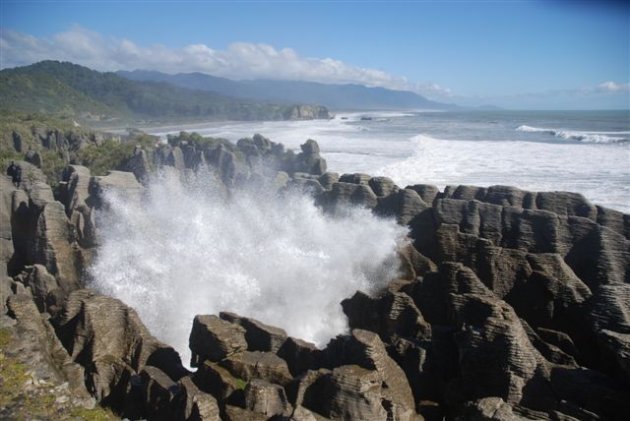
(508, 304)
(307, 112)
(110, 342)
(115, 182)
(214, 339)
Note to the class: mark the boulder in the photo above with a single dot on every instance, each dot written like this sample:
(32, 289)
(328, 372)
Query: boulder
(6, 234)
(353, 392)
(17, 141)
(42, 234)
(47, 294)
(327, 180)
(413, 263)
(199, 405)
(558, 339)
(348, 392)
(509, 196)
(391, 314)
(228, 167)
(162, 397)
(404, 205)
(110, 342)
(307, 185)
(609, 321)
(587, 394)
(551, 352)
(343, 195)
(428, 193)
(250, 365)
(74, 191)
(266, 398)
(75, 188)
(496, 356)
(488, 409)
(33, 157)
(300, 355)
(33, 178)
(259, 336)
(356, 178)
(36, 346)
(235, 413)
(365, 349)
(615, 354)
(138, 164)
(614, 220)
(382, 186)
(171, 156)
(309, 160)
(566, 204)
(218, 381)
(119, 182)
(214, 339)
(307, 112)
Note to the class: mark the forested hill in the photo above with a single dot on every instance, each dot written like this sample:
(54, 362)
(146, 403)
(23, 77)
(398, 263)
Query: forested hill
(334, 96)
(54, 87)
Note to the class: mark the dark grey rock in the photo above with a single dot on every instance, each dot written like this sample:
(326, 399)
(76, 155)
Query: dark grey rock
(392, 314)
(259, 336)
(265, 398)
(250, 365)
(300, 355)
(343, 195)
(355, 178)
(108, 339)
(427, 192)
(383, 186)
(33, 157)
(404, 205)
(214, 339)
(328, 179)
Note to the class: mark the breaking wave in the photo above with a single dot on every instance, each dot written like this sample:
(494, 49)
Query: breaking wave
(582, 136)
(187, 248)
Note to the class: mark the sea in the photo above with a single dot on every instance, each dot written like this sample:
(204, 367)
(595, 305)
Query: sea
(579, 151)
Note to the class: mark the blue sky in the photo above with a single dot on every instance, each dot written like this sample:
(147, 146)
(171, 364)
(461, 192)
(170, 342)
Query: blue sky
(524, 54)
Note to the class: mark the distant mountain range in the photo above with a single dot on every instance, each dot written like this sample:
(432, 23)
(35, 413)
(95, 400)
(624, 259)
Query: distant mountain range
(53, 87)
(61, 88)
(336, 97)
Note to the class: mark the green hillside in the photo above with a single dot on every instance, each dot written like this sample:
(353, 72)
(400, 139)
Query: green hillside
(68, 89)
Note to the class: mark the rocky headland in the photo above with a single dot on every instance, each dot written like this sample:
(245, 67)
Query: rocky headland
(509, 304)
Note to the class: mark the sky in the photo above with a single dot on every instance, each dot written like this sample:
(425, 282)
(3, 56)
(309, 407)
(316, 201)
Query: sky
(516, 54)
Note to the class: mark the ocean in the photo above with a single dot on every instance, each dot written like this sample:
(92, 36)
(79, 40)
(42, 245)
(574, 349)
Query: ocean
(579, 151)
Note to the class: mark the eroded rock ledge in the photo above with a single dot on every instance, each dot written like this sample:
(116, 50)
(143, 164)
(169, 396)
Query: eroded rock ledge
(510, 304)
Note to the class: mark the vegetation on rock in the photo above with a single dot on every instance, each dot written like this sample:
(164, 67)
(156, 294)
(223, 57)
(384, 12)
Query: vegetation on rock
(24, 396)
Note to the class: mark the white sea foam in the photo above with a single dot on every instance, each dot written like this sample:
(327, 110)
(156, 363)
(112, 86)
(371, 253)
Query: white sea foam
(582, 136)
(600, 173)
(185, 250)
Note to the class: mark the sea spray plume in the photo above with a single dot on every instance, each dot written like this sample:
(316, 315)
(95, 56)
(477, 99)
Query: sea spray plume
(188, 249)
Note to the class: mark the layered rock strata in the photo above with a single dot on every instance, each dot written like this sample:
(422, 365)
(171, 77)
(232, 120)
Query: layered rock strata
(509, 304)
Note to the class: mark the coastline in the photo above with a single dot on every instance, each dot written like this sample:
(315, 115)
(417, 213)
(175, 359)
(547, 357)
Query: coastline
(497, 272)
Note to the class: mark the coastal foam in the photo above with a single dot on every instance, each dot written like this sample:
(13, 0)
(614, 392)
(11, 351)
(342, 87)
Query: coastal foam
(532, 166)
(582, 136)
(185, 250)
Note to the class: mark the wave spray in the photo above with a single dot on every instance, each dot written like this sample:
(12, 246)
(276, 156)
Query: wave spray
(187, 249)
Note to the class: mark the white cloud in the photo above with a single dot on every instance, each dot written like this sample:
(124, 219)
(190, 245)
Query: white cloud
(239, 61)
(611, 86)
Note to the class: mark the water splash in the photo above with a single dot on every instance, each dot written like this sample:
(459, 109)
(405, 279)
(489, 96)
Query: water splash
(186, 249)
